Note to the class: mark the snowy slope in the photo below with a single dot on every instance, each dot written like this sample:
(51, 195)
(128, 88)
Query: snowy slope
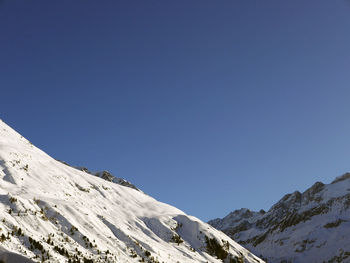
(50, 211)
(312, 227)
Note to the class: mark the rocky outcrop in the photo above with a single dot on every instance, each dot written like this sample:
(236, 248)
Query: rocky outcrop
(104, 175)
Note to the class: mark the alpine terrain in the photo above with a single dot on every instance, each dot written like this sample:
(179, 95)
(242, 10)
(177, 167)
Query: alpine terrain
(51, 212)
(312, 227)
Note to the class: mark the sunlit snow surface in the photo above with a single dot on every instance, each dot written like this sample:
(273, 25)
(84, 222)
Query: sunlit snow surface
(90, 217)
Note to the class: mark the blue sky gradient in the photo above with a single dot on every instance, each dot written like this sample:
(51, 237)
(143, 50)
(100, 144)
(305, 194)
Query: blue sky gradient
(207, 105)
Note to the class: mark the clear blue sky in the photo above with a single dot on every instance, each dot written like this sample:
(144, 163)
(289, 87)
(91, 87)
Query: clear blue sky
(207, 105)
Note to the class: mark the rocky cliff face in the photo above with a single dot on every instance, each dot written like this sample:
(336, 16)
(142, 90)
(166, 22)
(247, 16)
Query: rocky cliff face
(311, 227)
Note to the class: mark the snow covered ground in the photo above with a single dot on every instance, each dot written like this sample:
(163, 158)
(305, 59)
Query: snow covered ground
(55, 213)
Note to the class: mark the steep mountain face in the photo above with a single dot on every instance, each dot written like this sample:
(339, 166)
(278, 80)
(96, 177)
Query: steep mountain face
(51, 212)
(311, 227)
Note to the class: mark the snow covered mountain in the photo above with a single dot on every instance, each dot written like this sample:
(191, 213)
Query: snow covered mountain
(51, 212)
(312, 227)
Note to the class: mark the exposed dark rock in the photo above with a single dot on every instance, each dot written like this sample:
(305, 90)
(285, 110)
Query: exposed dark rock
(262, 211)
(341, 178)
(335, 223)
(104, 175)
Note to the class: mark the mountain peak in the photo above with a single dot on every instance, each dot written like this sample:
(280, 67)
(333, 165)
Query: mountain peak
(341, 178)
(303, 227)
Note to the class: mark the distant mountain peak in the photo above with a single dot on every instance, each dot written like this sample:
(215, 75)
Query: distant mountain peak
(303, 227)
(341, 178)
